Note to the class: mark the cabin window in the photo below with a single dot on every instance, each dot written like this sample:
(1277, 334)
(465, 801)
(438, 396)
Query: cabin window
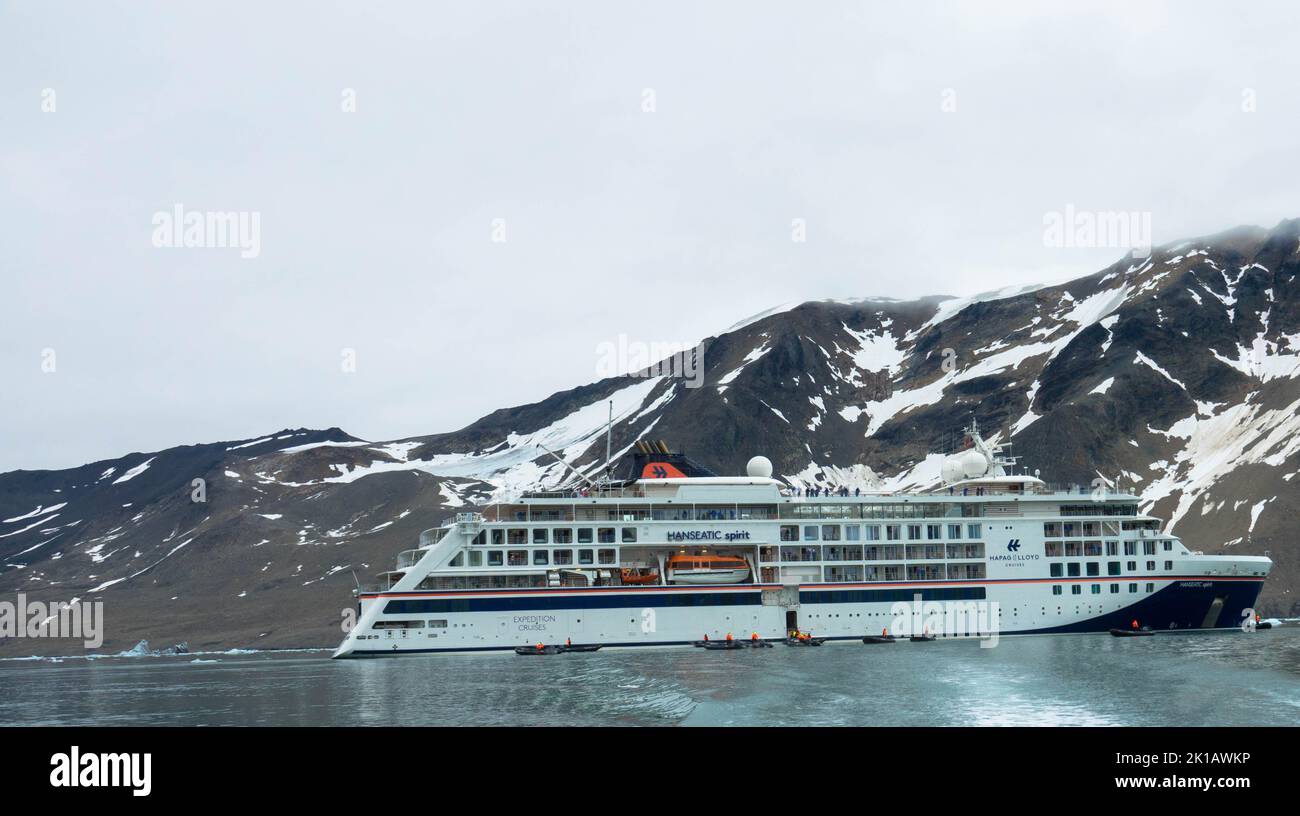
(974, 531)
(893, 552)
(437, 624)
(789, 532)
(1132, 587)
(1131, 566)
(954, 531)
(498, 537)
(1052, 529)
(1076, 590)
(476, 558)
(606, 556)
(1056, 589)
(1169, 565)
(1112, 568)
(1148, 548)
(516, 537)
(458, 561)
(584, 535)
(852, 533)
(1114, 589)
(1151, 587)
(1094, 569)
(1096, 589)
(1070, 528)
(913, 532)
(810, 532)
(1130, 548)
(1151, 565)
(830, 532)
(1169, 545)
(584, 556)
(1054, 549)
(562, 558)
(495, 558)
(1092, 548)
(517, 558)
(481, 538)
(1074, 549)
(892, 532)
(1057, 570)
(1112, 548)
(1073, 569)
(933, 531)
(540, 536)
(629, 535)
(873, 532)
(605, 535)
(540, 558)
(562, 535)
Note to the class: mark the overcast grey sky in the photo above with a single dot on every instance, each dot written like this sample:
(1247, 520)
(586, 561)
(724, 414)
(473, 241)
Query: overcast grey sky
(376, 226)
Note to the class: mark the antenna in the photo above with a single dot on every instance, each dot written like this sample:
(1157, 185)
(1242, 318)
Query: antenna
(609, 441)
(579, 473)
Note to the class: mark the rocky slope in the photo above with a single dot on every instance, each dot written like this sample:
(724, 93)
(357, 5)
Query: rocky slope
(1175, 374)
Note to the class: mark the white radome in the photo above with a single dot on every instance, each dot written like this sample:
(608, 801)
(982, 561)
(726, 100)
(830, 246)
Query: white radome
(759, 467)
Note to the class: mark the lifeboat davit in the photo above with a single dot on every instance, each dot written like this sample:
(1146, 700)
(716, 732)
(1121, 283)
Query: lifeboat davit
(707, 569)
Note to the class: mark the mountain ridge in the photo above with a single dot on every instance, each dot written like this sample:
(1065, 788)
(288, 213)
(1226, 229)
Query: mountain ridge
(1175, 374)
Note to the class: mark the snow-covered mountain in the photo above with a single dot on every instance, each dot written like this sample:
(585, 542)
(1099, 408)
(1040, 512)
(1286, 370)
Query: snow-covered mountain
(1177, 374)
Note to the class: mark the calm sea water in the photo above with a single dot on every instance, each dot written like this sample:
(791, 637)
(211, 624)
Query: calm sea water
(1214, 679)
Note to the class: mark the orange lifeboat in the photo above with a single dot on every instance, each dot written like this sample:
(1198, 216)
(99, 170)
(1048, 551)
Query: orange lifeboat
(636, 576)
(707, 569)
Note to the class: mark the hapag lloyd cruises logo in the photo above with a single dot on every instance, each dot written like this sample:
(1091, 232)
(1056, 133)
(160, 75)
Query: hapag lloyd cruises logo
(1013, 553)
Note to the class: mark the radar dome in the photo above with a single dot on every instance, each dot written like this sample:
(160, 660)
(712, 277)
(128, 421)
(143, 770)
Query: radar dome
(759, 467)
(973, 464)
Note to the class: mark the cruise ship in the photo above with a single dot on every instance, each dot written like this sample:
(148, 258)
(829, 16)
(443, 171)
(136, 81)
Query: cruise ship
(673, 555)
